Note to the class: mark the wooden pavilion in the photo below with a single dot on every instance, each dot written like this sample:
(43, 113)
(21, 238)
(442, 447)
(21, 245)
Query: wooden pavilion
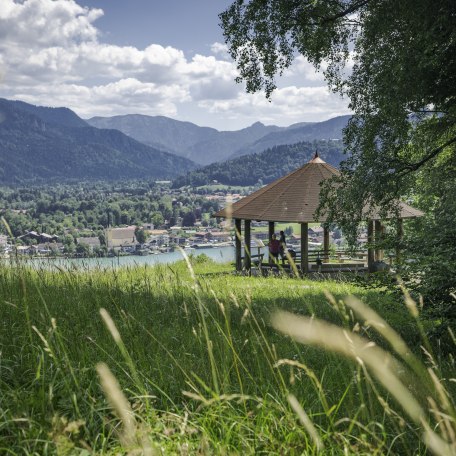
(295, 198)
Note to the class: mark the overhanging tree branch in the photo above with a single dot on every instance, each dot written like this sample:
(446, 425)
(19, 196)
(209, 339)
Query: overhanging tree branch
(415, 166)
(356, 6)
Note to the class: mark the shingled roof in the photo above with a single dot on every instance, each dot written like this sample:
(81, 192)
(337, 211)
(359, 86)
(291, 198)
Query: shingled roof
(293, 198)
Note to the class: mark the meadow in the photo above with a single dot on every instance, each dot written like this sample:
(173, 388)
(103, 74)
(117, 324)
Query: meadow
(191, 359)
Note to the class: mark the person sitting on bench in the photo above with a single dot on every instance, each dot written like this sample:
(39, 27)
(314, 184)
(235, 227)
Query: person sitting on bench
(274, 249)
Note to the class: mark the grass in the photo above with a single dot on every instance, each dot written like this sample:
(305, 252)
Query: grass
(186, 361)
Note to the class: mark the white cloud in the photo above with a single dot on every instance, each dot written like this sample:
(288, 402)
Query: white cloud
(221, 50)
(51, 54)
(288, 105)
(38, 23)
(116, 97)
(304, 70)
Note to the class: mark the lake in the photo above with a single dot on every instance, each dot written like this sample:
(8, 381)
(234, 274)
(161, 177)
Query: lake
(220, 255)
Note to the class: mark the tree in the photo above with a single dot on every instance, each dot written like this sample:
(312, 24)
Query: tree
(83, 249)
(403, 54)
(140, 235)
(432, 241)
(189, 219)
(395, 60)
(54, 249)
(102, 238)
(68, 244)
(157, 219)
(289, 230)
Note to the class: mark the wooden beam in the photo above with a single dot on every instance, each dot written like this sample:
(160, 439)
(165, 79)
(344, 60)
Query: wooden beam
(238, 243)
(271, 229)
(304, 248)
(326, 243)
(400, 235)
(247, 239)
(370, 249)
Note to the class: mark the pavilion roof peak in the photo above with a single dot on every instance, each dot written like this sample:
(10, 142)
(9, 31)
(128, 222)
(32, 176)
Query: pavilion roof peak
(294, 197)
(316, 158)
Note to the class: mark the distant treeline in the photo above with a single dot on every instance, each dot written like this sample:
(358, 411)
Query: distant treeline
(87, 208)
(263, 167)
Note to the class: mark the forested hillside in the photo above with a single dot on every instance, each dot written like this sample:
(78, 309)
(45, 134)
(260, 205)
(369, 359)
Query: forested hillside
(263, 167)
(305, 131)
(41, 144)
(90, 207)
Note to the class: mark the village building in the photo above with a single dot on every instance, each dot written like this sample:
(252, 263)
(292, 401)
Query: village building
(121, 238)
(219, 236)
(158, 237)
(202, 236)
(39, 237)
(175, 229)
(316, 232)
(22, 249)
(148, 226)
(177, 239)
(46, 248)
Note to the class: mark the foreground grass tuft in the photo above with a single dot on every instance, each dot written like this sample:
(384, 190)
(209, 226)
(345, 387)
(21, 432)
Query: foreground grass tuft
(184, 360)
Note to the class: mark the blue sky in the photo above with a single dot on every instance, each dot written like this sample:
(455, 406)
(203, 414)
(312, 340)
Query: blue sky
(153, 57)
(190, 25)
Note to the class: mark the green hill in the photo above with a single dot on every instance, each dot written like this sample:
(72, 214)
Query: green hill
(263, 167)
(41, 144)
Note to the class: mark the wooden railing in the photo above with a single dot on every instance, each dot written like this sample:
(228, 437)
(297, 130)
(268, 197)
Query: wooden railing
(339, 255)
(319, 260)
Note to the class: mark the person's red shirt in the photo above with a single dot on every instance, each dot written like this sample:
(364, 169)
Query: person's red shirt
(274, 246)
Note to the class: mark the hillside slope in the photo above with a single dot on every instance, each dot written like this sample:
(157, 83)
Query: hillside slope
(263, 167)
(326, 130)
(38, 143)
(202, 145)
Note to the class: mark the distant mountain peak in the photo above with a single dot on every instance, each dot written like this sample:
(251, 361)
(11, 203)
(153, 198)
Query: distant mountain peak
(60, 115)
(258, 124)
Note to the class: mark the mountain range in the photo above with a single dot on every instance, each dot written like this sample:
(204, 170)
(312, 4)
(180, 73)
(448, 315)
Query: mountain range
(40, 143)
(205, 145)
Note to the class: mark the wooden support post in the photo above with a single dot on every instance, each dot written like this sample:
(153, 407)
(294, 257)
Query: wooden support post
(271, 228)
(238, 243)
(400, 235)
(326, 244)
(370, 249)
(304, 248)
(247, 239)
